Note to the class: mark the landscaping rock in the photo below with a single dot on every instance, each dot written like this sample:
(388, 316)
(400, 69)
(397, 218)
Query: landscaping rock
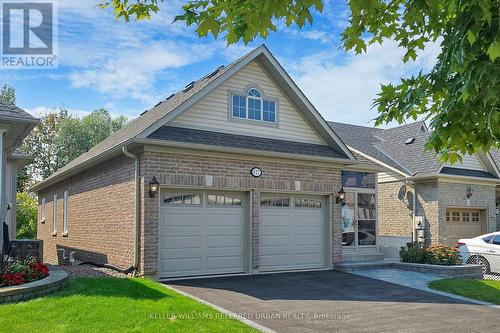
(92, 271)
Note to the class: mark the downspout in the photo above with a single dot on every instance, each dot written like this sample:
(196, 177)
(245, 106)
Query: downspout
(137, 205)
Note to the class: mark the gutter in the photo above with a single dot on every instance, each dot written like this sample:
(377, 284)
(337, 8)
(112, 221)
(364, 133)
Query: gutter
(137, 205)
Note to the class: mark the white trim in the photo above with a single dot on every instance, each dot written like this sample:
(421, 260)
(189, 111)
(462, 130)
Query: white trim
(379, 162)
(65, 214)
(43, 215)
(465, 179)
(54, 215)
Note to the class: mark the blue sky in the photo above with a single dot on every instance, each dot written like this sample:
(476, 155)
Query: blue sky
(129, 67)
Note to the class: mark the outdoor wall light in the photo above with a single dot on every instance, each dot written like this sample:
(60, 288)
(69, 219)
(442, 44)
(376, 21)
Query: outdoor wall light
(153, 187)
(341, 198)
(469, 193)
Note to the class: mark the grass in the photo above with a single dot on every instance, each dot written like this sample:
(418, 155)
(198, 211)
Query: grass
(115, 305)
(484, 290)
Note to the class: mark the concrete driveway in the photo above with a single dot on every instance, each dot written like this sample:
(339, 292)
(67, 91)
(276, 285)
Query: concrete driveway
(332, 301)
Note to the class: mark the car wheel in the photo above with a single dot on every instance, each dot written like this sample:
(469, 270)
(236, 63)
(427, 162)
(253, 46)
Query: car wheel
(480, 261)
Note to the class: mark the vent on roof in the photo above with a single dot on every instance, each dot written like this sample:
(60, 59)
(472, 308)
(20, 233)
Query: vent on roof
(215, 72)
(189, 86)
(409, 141)
(143, 112)
(158, 103)
(169, 97)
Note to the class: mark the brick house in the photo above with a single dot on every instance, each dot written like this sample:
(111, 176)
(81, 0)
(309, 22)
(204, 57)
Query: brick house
(15, 125)
(452, 201)
(249, 177)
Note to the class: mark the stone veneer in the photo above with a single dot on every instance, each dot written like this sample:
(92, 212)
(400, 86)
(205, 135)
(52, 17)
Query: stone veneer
(232, 174)
(433, 197)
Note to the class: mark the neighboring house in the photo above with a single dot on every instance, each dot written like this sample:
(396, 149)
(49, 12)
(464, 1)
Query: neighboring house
(454, 201)
(15, 125)
(249, 174)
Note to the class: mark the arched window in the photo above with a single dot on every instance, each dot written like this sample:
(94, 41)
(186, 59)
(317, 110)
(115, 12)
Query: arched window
(254, 104)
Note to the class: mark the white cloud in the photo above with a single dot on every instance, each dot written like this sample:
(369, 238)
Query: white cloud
(133, 73)
(342, 87)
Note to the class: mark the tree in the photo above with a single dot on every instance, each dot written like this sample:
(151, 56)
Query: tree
(77, 136)
(459, 96)
(8, 94)
(60, 137)
(26, 215)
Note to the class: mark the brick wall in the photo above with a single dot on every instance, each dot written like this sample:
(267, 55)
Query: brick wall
(100, 215)
(395, 210)
(453, 195)
(185, 170)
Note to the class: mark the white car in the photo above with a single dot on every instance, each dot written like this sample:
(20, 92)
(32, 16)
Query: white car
(483, 250)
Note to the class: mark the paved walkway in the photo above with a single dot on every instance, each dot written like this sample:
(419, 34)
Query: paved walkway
(332, 301)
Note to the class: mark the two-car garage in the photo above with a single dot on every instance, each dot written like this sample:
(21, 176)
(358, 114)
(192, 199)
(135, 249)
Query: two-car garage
(209, 233)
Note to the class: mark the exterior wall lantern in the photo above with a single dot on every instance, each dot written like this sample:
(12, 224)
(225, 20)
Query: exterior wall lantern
(469, 193)
(153, 187)
(341, 197)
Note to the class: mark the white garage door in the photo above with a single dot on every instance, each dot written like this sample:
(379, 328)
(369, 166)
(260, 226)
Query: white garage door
(292, 233)
(201, 233)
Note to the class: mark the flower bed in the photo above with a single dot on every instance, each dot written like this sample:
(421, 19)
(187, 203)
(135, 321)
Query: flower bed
(17, 272)
(433, 255)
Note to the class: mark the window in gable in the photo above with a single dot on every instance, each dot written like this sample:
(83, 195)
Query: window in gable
(239, 106)
(269, 111)
(253, 106)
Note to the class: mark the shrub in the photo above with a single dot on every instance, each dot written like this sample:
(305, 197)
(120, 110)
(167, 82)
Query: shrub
(442, 255)
(22, 271)
(411, 253)
(27, 215)
(434, 255)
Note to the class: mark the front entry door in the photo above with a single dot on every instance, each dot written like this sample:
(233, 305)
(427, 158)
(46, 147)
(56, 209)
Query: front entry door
(358, 218)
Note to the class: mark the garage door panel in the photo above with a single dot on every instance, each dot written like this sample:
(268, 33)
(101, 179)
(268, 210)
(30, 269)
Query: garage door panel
(309, 240)
(225, 262)
(274, 250)
(183, 218)
(228, 251)
(273, 218)
(223, 230)
(310, 249)
(307, 259)
(181, 242)
(232, 218)
(275, 240)
(223, 241)
(276, 261)
(181, 231)
(275, 231)
(186, 264)
(183, 253)
(314, 230)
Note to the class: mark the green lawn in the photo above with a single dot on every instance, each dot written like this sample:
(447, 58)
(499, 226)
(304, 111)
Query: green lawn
(484, 290)
(115, 305)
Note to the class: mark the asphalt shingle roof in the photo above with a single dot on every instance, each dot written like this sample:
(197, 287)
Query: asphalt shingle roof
(12, 111)
(178, 134)
(401, 147)
(466, 172)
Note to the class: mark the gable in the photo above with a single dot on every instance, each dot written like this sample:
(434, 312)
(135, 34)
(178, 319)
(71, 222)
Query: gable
(212, 112)
(469, 162)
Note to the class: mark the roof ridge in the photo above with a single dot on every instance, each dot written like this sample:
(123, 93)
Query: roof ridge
(354, 125)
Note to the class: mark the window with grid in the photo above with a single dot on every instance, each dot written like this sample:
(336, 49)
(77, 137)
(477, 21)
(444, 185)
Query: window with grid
(254, 106)
(476, 217)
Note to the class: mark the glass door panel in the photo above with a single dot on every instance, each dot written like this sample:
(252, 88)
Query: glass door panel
(347, 215)
(366, 214)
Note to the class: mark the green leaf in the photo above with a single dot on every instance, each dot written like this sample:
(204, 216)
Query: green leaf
(494, 50)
